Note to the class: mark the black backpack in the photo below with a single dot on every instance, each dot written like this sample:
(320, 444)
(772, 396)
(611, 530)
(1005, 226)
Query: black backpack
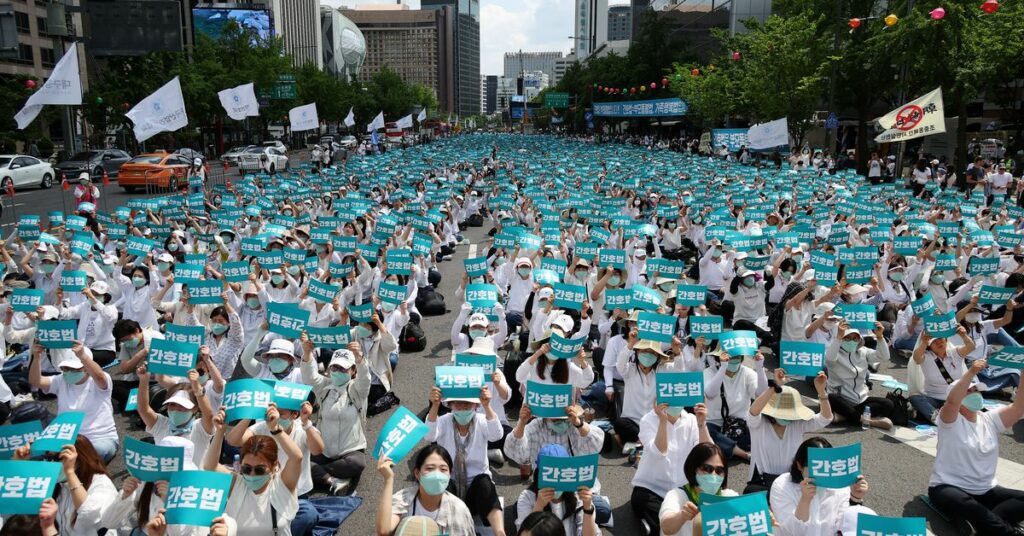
(412, 338)
(475, 220)
(434, 277)
(31, 411)
(429, 302)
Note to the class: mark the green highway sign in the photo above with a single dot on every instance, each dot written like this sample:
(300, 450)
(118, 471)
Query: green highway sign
(556, 100)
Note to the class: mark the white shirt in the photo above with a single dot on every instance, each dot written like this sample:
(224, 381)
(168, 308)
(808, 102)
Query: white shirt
(825, 513)
(771, 454)
(197, 435)
(674, 501)
(298, 435)
(442, 432)
(658, 471)
(85, 520)
(967, 453)
(95, 324)
(90, 399)
(740, 389)
(1000, 181)
(251, 512)
(796, 320)
(935, 384)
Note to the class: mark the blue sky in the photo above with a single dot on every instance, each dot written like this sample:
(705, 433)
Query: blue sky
(511, 25)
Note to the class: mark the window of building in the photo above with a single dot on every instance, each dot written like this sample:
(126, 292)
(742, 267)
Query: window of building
(47, 57)
(21, 21)
(24, 56)
(41, 26)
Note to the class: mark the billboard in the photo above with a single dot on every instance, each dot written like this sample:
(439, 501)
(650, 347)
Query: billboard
(211, 21)
(132, 27)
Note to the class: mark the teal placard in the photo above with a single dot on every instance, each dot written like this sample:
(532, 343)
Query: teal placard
(205, 292)
(546, 277)
(57, 333)
(859, 315)
(25, 485)
(185, 334)
(1009, 357)
(391, 293)
(737, 343)
(569, 296)
(489, 363)
(858, 274)
(941, 326)
(288, 395)
(680, 389)
(618, 299)
(945, 262)
(567, 473)
(801, 358)
(836, 467)
(171, 357)
(907, 246)
(15, 436)
(82, 244)
(530, 242)
(246, 399)
(335, 337)
(993, 295)
(138, 246)
(75, 222)
(196, 497)
(459, 382)
(615, 258)
(869, 525)
(482, 296)
(237, 272)
(923, 306)
(709, 327)
(565, 348)
(133, 400)
(323, 292)
(983, 266)
(26, 300)
(62, 430)
(294, 255)
(656, 327)
(587, 250)
(360, 313)
(188, 273)
(746, 514)
(400, 263)
(644, 298)
(399, 435)
(826, 275)
(476, 267)
(150, 463)
(691, 295)
(548, 400)
(289, 319)
(73, 280)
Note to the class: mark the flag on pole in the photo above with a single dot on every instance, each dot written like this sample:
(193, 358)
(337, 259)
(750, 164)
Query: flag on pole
(373, 137)
(769, 135)
(63, 87)
(350, 119)
(240, 102)
(920, 117)
(162, 111)
(303, 117)
(423, 115)
(405, 122)
(377, 123)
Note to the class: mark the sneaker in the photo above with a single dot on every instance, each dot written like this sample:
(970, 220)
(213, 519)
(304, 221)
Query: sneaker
(446, 258)
(628, 448)
(496, 458)
(340, 486)
(21, 399)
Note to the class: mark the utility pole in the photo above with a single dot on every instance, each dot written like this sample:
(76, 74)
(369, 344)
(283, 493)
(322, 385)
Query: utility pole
(829, 133)
(57, 25)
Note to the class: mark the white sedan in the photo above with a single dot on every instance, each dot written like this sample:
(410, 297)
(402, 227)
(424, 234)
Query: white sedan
(22, 170)
(268, 159)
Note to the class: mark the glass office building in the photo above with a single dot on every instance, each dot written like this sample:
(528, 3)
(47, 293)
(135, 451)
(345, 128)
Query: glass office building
(467, 52)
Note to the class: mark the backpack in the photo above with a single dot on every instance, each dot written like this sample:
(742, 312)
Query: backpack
(31, 411)
(412, 338)
(429, 302)
(475, 220)
(434, 277)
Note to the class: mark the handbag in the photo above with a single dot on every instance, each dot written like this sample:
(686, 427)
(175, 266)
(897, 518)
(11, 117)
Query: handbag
(732, 427)
(900, 407)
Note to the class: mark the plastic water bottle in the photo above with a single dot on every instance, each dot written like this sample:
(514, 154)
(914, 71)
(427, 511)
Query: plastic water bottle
(238, 464)
(865, 419)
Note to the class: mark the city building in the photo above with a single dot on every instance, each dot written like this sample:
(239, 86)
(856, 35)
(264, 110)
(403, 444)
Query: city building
(534, 82)
(562, 65)
(297, 23)
(467, 51)
(591, 26)
(506, 89)
(417, 44)
(620, 22)
(343, 44)
(694, 20)
(639, 8)
(516, 62)
(489, 93)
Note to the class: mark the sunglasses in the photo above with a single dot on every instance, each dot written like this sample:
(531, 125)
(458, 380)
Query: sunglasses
(707, 468)
(258, 470)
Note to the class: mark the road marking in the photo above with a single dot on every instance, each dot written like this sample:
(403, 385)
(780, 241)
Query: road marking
(472, 251)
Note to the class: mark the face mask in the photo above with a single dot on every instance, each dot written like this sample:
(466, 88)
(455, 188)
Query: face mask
(138, 282)
(674, 411)
(362, 332)
(786, 276)
(254, 224)
(339, 379)
(671, 225)
(293, 270)
(523, 272)
(740, 265)
(709, 483)
(218, 329)
(748, 281)
(131, 344)
(716, 254)
(173, 246)
(973, 402)
(288, 213)
(581, 274)
(278, 365)
(500, 261)
(783, 422)
(226, 239)
(73, 377)
(477, 333)
(647, 360)
(179, 418)
(972, 318)
(560, 427)
(434, 483)
(69, 235)
(285, 423)
(937, 279)
(277, 279)
(849, 346)
(464, 416)
(163, 266)
(864, 237)
(896, 276)
(734, 365)
(49, 268)
(798, 259)
(256, 482)
(108, 268)
(203, 379)
(614, 280)
(253, 303)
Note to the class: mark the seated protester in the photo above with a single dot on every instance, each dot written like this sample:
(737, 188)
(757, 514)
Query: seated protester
(615, 330)
(140, 502)
(775, 436)
(803, 509)
(970, 316)
(747, 295)
(466, 332)
(84, 491)
(377, 344)
(575, 512)
(137, 292)
(250, 301)
(542, 524)
(277, 363)
(963, 482)
(638, 362)
(542, 368)
(210, 378)
(283, 287)
(669, 433)
(262, 499)
(729, 387)
(906, 330)
(321, 314)
(706, 473)
(395, 320)
(133, 342)
(515, 280)
(341, 396)
(848, 363)
(184, 402)
(465, 433)
(933, 367)
(295, 423)
(798, 309)
(95, 318)
(81, 386)
(823, 328)
(223, 337)
(501, 394)
(432, 470)
(177, 309)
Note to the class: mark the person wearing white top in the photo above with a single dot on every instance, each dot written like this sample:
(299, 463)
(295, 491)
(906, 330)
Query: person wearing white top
(638, 362)
(848, 362)
(963, 482)
(96, 319)
(715, 268)
(705, 473)
(465, 433)
(542, 368)
(129, 512)
(929, 355)
(182, 403)
(739, 384)
(668, 433)
(803, 509)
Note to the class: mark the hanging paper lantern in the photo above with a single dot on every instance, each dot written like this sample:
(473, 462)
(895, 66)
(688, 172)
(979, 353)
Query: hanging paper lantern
(632, 91)
(736, 56)
(853, 24)
(990, 6)
(31, 84)
(599, 88)
(891, 19)
(695, 72)
(938, 13)
(664, 82)
(643, 88)
(654, 85)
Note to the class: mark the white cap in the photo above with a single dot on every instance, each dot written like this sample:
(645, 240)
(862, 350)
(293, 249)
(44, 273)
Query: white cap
(564, 322)
(84, 176)
(99, 287)
(70, 361)
(190, 448)
(478, 319)
(165, 257)
(642, 253)
(977, 386)
(342, 358)
(741, 255)
(524, 261)
(849, 525)
(545, 293)
(49, 313)
(282, 346)
(181, 398)
(109, 258)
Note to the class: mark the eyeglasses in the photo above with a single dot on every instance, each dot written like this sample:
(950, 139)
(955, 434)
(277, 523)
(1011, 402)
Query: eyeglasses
(707, 468)
(258, 470)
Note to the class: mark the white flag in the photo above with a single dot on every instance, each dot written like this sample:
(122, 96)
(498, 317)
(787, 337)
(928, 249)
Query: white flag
(768, 135)
(350, 119)
(423, 115)
(163, 111)
(449, 120)
(377, 123)
(63, 87)
(405, 122)
(921, 117)
(240, 102)
(304, 117)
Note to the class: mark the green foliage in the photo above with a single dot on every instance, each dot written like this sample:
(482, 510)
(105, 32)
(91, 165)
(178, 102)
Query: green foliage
(45, 146)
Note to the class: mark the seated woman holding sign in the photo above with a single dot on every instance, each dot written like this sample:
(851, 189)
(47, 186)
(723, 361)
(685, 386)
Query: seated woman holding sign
(934, 366)
(802, 508)
(189, 414)
(963, 482)
(706, 474)
(575, 510)
(848, 362)
(431, 498)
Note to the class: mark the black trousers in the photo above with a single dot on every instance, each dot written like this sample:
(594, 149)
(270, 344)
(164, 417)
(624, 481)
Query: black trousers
(103, 357)
(119, 393)
(481, 497)
(646, 505)
(994, 513)
(880, 407)
(627, 430)
(348, 466)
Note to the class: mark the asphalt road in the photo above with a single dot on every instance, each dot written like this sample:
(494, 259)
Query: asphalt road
(897, 473)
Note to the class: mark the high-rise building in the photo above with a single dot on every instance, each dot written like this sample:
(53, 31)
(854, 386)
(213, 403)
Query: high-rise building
(591, 26)
(343, 43)
(620, 22)
(504, 92)
(534, 82)
(416, 44)
(467, 51)
(516, 62)
(562, 65)
(297, 22)
(639, 8)
(489, 93)
(694, 20)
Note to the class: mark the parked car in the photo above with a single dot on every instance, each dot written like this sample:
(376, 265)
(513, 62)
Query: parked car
(154, 170)
(23, 170)
(233, 155)
(348, 142)
(276, 144)
(190, 154)
(94, 163)
(253, 160)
